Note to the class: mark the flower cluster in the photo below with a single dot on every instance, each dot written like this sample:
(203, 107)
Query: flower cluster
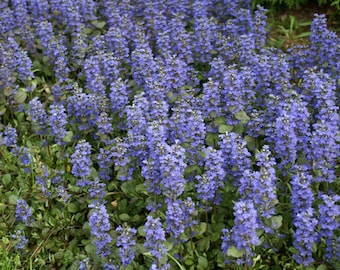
(81, 160)
(126, 244)
(100, 225)
(243, 235)
(179, 108)
(155, 238)
(23, 212)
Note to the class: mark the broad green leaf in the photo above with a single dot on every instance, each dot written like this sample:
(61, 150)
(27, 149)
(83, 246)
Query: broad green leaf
(219, 120)
(234, 252)
(128, 187)
(141, 230)
(276, 221)
(211, 139)
(203, 262)
(322, 267)
(73, 208)
(99, 24)
(90, 249)
(124, 217)
(223, 128)
(6, 179)
(8, 91)
(20, 96)
(68, 137)
(2, 110)
(13, 198)
(202, 228)
(141, 188)
(189, 260)
(238, 128)
(242, 116)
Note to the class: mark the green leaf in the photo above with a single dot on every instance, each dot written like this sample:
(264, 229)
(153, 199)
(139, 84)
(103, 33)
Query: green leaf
(219, 120)
(6, 179)
(68, 137)
(303, 35)
(176, 261)
(141, 188)
(13, 198)
(202, 228)
(234, 252)
(124, 217)
(2, 110)
(141, 230)
(322, 267)
(90, 249)
(223, 128)
(238, 128)
(128, 187)
(189, 260)
(99, 24)
(211, 139)
(73, 208)
(203, 262)
(20, 96)
(8, 91)
(276, 221)
(242, 116)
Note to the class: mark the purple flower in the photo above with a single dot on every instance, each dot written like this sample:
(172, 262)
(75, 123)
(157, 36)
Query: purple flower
(155, 238)
(188, 127)
(7, 20)
(104, 123)
(97, 189)
(58, 122)
(329, 212)
(104, 161)
(303, 214)
(119, 96)
(9, 137)
(20, 240)
(172, 165)
(80, 159)
(84, 264)
(100, 226)
(237, 155)
(260, 30)
(38, 115)
(179, 216)
(285, 139)
(126, 244)
(23, 212)
(213, 177)
(204, 37)
(243, 234)
(117, 43)
(83, 109)
(304, 235)
(265, 186)
(324, 50)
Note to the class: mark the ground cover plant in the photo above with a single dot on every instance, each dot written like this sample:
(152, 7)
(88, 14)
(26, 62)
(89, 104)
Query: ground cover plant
(165, 135)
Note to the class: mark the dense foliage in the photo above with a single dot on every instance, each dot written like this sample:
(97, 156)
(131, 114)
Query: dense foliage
(293, 4)
(165, 135)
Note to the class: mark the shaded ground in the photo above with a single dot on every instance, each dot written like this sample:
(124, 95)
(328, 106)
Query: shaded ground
(289, 27)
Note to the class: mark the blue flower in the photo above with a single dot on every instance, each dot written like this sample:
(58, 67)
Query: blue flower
(80, 159)
(126, 244)
(155, 238)
(23, 212)
(100, 226)
(58, 122)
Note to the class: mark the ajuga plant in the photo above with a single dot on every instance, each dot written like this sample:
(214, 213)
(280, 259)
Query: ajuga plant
(165, 135)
